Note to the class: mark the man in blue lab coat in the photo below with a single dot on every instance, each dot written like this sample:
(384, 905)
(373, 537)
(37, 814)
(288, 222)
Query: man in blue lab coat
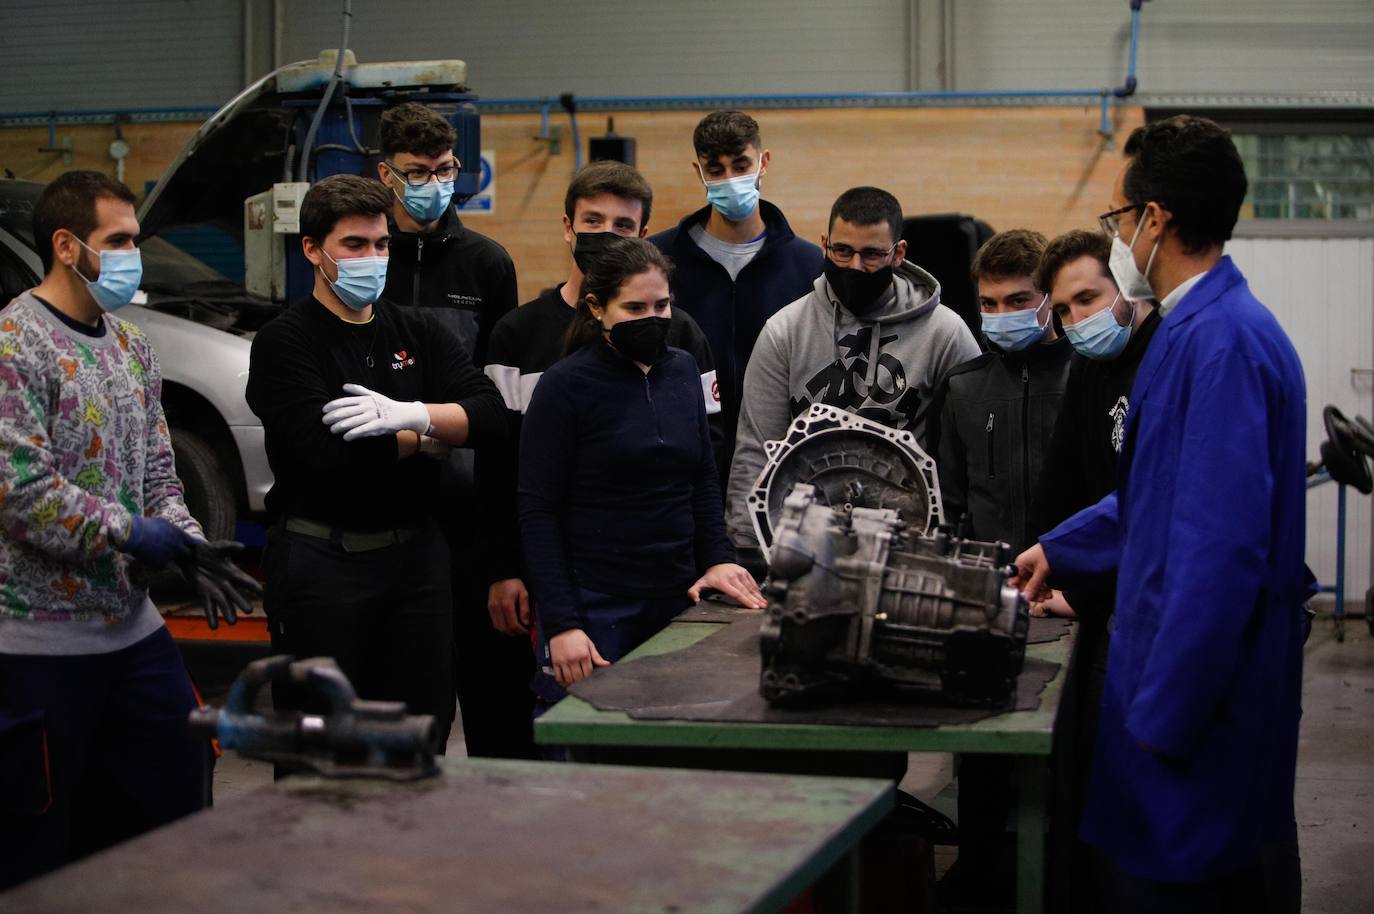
(1191, 792)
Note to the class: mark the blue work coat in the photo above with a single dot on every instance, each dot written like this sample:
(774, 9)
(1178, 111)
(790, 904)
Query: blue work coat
(1206, 529)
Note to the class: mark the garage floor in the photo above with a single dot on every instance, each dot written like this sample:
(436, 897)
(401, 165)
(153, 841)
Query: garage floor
(1335, 789)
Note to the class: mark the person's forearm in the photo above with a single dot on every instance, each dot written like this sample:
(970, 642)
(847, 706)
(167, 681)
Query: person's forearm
(407, 444)
(448, 422)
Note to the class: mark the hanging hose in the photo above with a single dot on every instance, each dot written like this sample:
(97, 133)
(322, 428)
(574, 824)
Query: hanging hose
(569, 103)
(303, 168)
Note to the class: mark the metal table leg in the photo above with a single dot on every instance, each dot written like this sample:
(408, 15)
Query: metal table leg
(1032, 781)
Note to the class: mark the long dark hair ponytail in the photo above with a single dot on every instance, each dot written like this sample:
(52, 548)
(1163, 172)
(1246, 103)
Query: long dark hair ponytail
(621, 260)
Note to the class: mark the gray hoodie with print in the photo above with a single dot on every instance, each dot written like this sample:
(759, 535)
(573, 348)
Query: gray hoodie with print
(884, 366)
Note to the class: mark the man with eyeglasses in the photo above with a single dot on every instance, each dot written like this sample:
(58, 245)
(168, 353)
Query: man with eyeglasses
(1190, 798)
(871, 337)
(436, 261)
(736, 260)
(466, 282)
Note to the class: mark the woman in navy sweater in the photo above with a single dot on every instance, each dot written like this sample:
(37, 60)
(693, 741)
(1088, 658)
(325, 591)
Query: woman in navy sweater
(621, 517)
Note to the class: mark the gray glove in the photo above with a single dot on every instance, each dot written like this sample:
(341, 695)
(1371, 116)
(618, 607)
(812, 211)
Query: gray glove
(220, 583)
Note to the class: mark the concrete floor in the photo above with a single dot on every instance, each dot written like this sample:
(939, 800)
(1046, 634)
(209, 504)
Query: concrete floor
(1335, 787)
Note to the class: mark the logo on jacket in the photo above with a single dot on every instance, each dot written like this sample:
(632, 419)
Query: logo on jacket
(885, 398)
(1118, 414)
(402, 360)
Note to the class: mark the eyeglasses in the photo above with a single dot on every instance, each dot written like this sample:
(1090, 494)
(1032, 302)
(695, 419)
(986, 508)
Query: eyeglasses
(871, 257)
(418, 176)
(1111, 222)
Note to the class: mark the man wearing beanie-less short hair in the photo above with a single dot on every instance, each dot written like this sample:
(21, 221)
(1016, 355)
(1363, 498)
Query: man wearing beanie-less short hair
(359, 402)
(1190, 799)
(465, 281)
(989, 434)
(871, 337)
(94, 697)
(736, 260)
(437, 262)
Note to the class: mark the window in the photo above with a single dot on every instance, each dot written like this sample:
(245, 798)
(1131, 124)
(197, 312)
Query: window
(1308, 175)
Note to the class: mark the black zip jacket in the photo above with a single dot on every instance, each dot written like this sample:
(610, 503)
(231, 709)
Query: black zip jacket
(525, 344)
(466, 278)
(996, 415)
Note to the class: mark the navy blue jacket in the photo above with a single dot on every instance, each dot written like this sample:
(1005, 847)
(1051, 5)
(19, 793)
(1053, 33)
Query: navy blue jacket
(732, 313)
(1206, 530)
(618, 489)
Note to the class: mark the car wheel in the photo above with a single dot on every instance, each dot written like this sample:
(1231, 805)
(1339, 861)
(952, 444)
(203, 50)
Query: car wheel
(209, 494)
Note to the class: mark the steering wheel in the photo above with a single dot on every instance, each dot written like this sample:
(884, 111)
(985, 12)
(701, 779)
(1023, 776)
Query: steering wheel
(1343, 453)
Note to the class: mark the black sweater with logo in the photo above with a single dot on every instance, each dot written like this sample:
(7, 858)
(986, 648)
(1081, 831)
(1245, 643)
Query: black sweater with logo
(302, 359)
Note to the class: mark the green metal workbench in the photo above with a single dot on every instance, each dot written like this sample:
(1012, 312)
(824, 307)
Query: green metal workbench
(487, 836)
(586, 731)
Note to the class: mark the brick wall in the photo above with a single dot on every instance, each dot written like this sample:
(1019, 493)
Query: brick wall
(1041, 168)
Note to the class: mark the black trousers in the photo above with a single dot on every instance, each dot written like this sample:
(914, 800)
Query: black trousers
(94, 750)
(384, 615)
(493, 672)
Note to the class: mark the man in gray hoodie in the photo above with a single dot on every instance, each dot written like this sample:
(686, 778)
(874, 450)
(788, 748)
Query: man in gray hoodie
(870, 337)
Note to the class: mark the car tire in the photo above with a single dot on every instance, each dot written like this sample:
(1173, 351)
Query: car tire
(208, 491)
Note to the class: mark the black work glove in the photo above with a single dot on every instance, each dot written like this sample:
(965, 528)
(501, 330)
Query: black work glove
(220, 583)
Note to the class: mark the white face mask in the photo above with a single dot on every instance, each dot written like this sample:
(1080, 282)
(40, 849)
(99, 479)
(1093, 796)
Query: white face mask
(1132, 283)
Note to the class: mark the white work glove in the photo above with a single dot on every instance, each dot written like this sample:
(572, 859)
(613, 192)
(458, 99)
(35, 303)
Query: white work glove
(367, 414)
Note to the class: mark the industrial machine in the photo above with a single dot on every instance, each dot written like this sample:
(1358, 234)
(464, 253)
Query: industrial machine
(857, 599)
(866, 587)
(852, 462)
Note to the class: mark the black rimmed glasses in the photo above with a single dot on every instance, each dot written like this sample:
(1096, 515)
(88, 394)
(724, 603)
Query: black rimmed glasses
(418, 175)
(1111, 222)
(842, 254)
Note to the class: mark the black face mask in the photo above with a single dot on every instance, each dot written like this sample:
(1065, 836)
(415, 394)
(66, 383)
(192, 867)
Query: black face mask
(643, 340)
(858, 291)
(588, 247)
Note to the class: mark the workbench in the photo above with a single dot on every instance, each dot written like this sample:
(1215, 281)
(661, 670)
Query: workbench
(592, 735)
(486, 836)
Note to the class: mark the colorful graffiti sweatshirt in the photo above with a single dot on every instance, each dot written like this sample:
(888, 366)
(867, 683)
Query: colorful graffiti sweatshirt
(83, 447)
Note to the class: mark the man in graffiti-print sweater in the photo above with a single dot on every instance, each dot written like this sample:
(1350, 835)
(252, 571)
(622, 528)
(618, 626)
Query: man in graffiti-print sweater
(94, 697)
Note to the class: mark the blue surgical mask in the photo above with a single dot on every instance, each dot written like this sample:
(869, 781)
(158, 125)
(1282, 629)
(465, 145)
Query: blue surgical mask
(1101, 336)
(1016, 330)
(428, 201)
(361, 280)
(120, 273)
(734, 198)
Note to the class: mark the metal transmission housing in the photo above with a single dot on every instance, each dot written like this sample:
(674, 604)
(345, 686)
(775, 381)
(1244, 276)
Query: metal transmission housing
(851, 462)
(857, 597)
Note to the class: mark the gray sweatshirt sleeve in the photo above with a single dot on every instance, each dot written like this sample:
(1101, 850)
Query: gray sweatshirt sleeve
(959, 344)
(764, 415)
